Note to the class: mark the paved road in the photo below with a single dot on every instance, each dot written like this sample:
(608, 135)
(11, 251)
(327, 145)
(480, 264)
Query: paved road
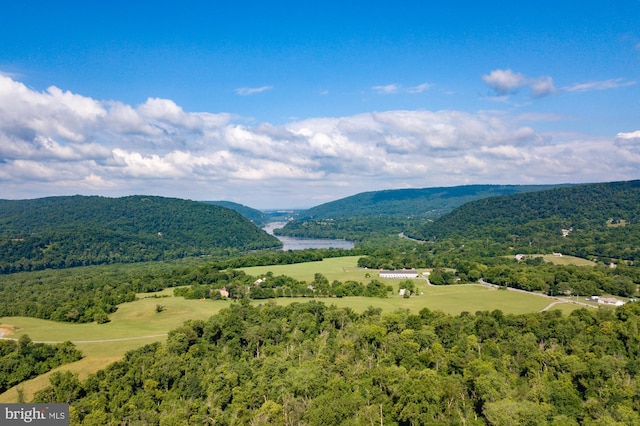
(556, 300)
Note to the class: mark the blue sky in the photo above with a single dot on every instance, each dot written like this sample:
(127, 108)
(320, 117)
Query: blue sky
(292, 104)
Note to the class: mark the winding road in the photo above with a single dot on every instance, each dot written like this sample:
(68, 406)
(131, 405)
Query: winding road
(557, 300)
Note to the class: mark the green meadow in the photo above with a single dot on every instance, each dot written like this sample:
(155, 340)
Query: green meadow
(138, 323)
(335, 268)
(567, 260)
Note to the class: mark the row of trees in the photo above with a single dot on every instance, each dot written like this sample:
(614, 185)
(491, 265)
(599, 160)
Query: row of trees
(559, 280)
(270, 286)
(312, 364)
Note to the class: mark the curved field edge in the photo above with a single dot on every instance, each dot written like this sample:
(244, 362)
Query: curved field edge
(138, 323)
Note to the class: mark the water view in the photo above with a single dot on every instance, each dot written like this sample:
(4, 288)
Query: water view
(292, 243)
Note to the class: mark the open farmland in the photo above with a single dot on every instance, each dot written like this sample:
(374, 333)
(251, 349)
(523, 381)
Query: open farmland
(567, 260)
(334, 268)
(137, 323)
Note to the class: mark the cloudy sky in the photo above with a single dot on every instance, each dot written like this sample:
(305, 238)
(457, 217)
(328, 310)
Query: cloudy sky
(281, 104)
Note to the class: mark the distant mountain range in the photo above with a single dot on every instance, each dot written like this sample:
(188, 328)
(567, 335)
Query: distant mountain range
(424, 203)
(391, 211)
(58, 232)
(259, 218)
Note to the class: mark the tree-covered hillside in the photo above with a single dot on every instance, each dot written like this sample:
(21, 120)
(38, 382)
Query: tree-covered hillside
(387, 212)
(587, 220)
(256, 216)
(58, 232)
(425, 202)
(312, 364)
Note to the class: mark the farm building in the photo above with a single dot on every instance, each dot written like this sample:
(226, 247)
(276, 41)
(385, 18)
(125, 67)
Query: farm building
(399, 273)
(606, 300)
(610, 301)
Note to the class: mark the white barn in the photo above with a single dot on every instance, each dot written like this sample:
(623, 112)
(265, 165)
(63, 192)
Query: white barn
(399, 273)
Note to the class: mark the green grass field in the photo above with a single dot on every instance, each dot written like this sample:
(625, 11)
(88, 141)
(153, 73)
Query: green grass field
(567, 260)
(561, 260)
(137, 323)
(335, 268)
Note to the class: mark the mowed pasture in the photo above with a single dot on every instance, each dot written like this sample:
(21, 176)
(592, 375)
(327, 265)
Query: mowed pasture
(568, 260)
(335, 268)
(138, 323)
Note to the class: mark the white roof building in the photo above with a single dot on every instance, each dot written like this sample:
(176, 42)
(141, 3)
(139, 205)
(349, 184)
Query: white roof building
(399, 273)
(610, 301)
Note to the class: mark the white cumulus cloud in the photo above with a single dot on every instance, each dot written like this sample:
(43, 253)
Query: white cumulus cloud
(629, 135)
(56, 142)
(505, 82)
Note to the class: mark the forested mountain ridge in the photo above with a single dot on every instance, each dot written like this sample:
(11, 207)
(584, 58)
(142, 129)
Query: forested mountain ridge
(601, 219)
(387, 212)
(256, 216)
(423, 202)
(58, 232)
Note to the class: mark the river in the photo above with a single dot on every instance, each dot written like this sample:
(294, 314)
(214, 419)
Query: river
(293, 243)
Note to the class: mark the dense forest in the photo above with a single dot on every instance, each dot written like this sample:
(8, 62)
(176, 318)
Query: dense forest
(312, 364)
(60, 232)
(595, 220)
(391, 211)
(359, 229)
(22, 359)
(425, 202)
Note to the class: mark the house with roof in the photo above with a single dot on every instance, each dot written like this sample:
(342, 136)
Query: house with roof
(610, 301)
